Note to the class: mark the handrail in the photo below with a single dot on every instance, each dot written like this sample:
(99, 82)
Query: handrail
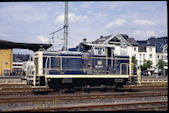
(60, 68)
(89, 57)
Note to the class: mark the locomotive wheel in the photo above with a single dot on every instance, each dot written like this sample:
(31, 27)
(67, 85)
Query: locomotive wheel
(56, 89)
(87, 90)
(115, 88)
(54, 84)
(72, 90)
(69, 90)
(103, 89)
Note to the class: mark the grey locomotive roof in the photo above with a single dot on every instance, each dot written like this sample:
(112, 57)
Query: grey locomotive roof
(63, 52)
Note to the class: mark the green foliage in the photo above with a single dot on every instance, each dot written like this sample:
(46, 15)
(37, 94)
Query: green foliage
(147, 65)
(161, 64)
(134, 61)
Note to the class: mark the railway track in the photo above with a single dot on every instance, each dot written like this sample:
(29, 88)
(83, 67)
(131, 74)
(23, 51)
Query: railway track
(79, 96)
(13, 85)
(135, 106)
(141, 92)
(31, 91)
(30, 88)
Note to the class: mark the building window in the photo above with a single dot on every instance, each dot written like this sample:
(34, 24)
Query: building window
(166, 64)
(123, 45)
(123, 49)
(140, 62)
(150, 49)
(151, 56)
(165, 57)
(135, 49)
(158, 56)
(143, 55)
(140, 55)
(165, 48)
(102, 51)
(96, 51)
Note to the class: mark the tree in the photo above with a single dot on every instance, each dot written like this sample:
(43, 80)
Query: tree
(161, 65)
(147, 65)
(134, 61)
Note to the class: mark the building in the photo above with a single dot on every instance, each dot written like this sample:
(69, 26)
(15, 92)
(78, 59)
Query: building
(20, 57)
(123, 44)
(6, 53)
(152, 49)
(6, 61)
(18, 62)
(146, 52)
(17, 66)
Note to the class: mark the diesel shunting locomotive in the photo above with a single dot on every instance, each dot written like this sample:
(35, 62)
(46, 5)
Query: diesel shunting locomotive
(88, 65)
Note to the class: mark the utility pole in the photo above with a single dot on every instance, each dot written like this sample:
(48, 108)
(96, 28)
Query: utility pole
(65, 47)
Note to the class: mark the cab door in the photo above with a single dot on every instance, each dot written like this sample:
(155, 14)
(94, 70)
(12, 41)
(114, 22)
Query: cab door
(124, 69)
(109, 55)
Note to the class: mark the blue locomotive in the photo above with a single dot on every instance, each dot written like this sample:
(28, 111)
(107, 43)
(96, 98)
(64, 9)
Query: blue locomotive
(87, 65)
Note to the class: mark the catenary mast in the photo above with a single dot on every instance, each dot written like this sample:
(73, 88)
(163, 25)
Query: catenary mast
(65, 47)
(65, 27)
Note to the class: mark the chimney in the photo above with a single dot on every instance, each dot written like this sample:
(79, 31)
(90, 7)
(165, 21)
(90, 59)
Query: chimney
(84, 39)
(152, 37)
(101, 36)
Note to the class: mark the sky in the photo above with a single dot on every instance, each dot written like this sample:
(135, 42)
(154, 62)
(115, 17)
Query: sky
(32, 22)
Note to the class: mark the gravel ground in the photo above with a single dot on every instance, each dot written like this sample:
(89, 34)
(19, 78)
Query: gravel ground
(61, 103)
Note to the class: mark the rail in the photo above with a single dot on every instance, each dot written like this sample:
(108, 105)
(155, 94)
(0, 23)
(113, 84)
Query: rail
(153, 105)
(62, 97)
